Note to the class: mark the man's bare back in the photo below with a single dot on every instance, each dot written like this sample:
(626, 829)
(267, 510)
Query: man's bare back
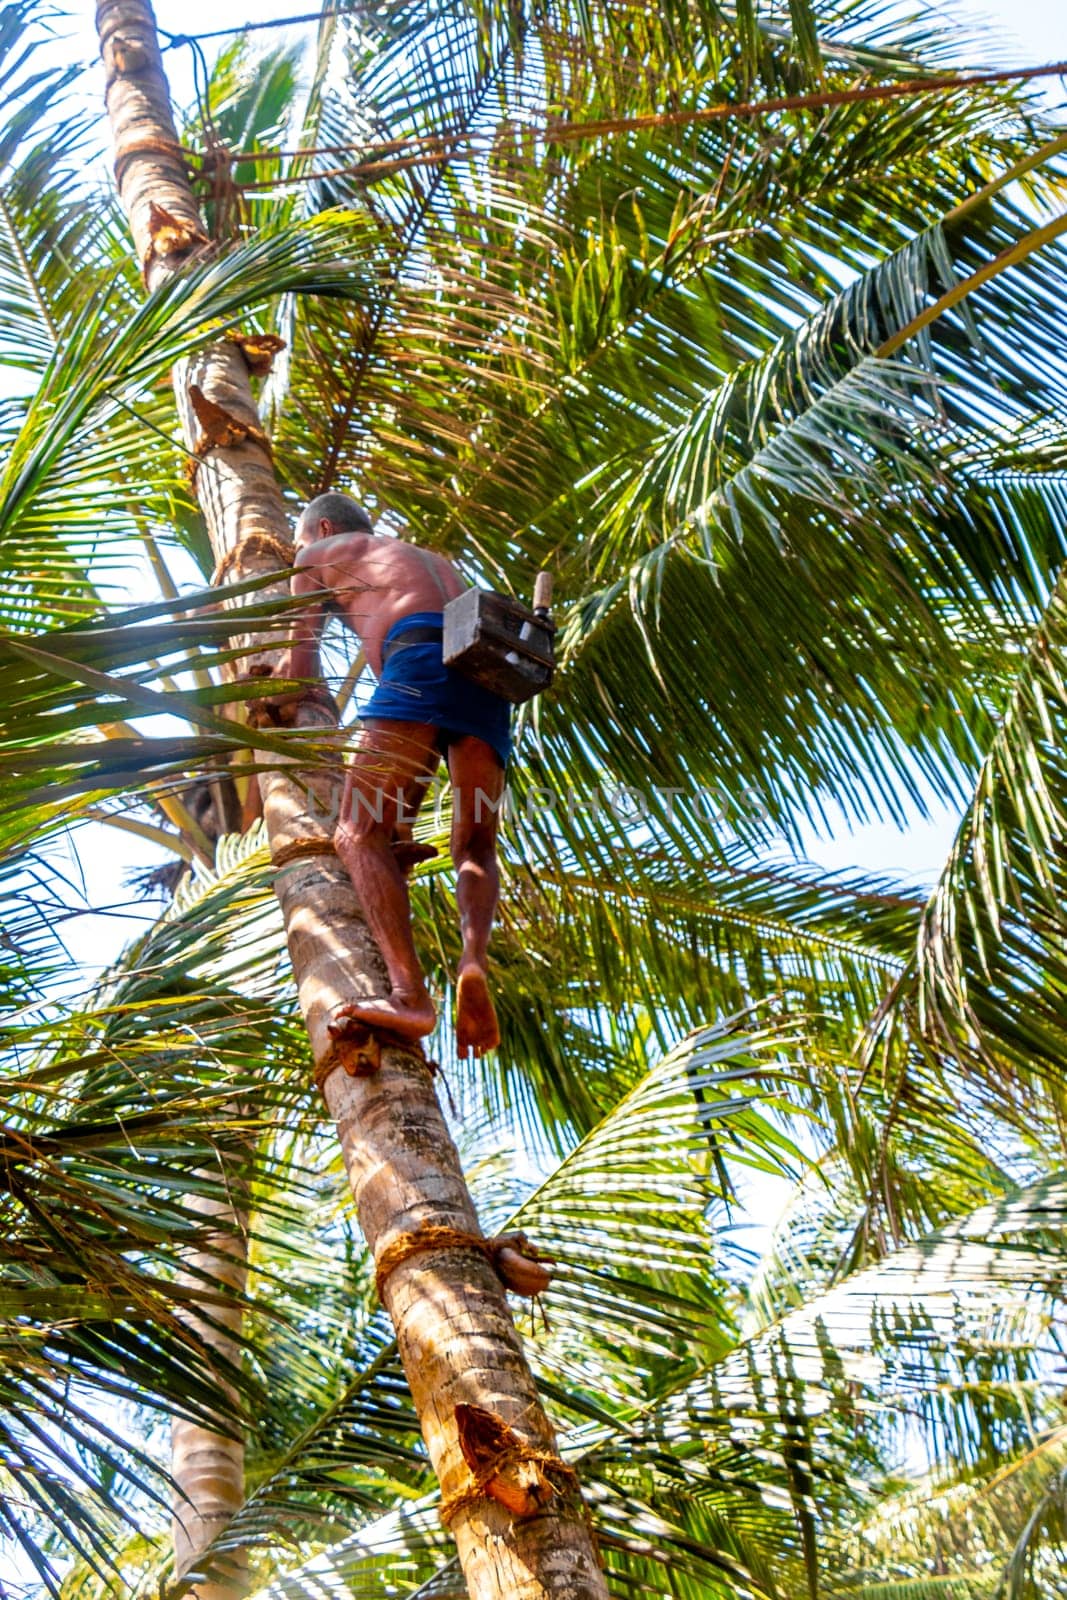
(377, 584)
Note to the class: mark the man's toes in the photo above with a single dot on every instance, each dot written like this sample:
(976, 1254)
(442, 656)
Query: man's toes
(476, 1024)
(409, 1019)
(344, 1023)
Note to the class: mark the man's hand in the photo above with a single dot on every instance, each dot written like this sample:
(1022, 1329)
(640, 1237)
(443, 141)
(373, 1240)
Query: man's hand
(264, 675)
(298, 662)
(278, 710)
(275, 709)
(284, 669)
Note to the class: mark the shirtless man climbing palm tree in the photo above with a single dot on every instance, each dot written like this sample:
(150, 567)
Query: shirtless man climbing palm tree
(391, 595)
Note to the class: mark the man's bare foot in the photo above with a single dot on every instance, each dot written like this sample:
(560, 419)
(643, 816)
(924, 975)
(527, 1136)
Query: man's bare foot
(408, 854)
(408, 1016)
(476, 1024)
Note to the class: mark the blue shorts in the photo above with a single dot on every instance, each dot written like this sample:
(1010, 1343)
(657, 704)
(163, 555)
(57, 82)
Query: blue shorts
(416, 686)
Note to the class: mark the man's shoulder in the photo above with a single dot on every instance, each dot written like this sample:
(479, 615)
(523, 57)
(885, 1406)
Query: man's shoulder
(417, 555)
(326, 553)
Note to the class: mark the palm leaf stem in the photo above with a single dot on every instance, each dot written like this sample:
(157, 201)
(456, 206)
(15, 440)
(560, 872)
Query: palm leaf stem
(412, 230)
(1037, 158)
(1035, 240)
(351, 678)
(678, 900)
(151, 699)
(432, 147)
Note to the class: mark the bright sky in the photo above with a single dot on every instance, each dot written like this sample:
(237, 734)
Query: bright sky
(1040, 26)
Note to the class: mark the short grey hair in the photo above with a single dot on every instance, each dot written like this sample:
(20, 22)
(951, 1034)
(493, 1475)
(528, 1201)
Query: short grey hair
(346, 514)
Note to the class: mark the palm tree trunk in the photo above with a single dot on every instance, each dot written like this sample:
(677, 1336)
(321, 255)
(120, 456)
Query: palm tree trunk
(454, 1329)
(208, 1467)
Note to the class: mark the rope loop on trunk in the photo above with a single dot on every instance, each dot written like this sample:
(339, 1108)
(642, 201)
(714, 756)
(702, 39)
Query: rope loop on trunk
(432, 1236)
(301, 850)
(516, 1262)
(150, 147)
(248, 548)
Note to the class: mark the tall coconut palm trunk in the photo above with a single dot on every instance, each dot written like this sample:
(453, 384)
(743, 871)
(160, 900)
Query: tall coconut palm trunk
(207, 1466)
(519, 1525)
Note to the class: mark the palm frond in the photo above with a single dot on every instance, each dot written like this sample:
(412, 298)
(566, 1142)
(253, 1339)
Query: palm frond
(970, 1534)
(987, 978)
(99, 416)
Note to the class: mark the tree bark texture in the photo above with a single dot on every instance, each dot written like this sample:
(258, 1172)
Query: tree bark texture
(208, 1467)
(454, 1327)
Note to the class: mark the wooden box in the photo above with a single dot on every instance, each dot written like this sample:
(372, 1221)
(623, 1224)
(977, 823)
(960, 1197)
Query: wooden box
(499, 643)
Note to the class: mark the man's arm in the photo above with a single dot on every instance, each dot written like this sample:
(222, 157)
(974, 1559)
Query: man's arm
(301, 659)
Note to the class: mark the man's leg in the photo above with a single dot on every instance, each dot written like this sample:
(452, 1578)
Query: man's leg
(392, 759)
(477, 788)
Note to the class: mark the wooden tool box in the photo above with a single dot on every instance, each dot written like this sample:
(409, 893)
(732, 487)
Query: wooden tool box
(500, 643)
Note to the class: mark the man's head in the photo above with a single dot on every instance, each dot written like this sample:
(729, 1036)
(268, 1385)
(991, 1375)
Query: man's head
(328, 514)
